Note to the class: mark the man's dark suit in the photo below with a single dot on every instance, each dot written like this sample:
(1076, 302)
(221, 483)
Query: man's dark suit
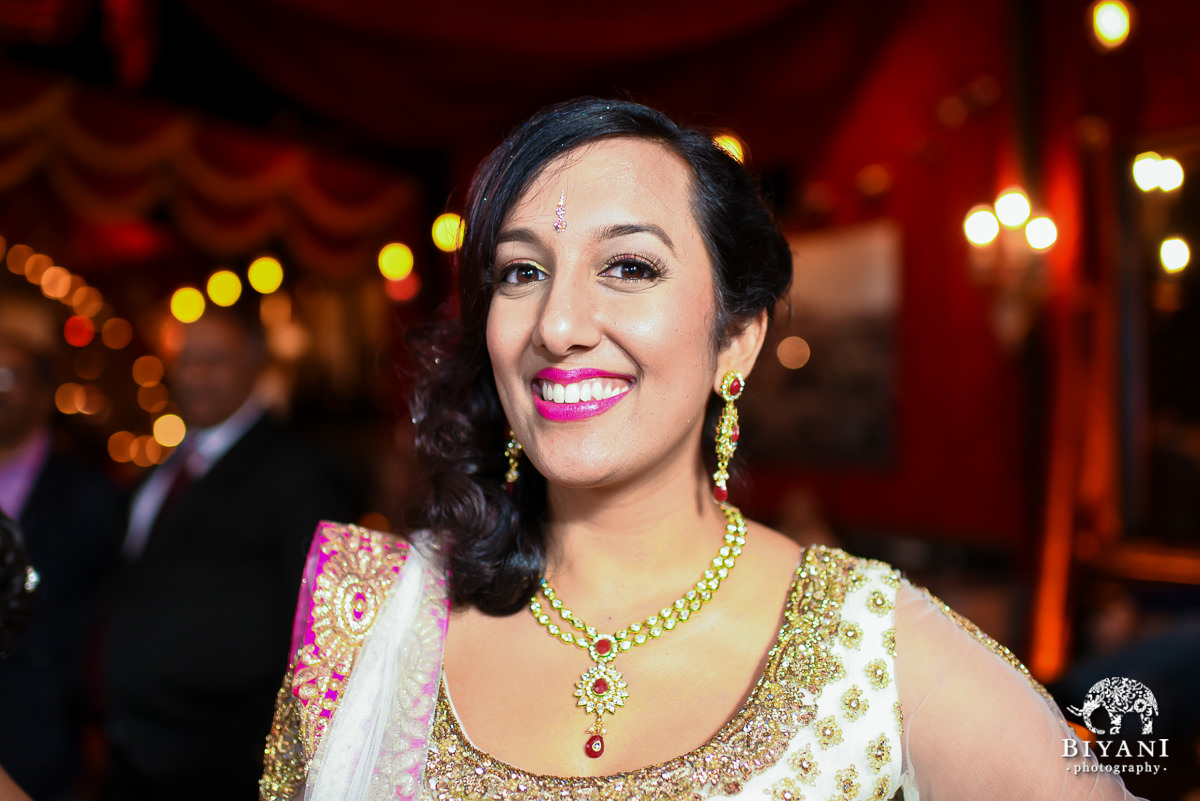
(71, 523)
(200, 624)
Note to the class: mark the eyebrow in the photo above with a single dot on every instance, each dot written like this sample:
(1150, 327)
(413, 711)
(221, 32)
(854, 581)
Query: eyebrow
(527, 235)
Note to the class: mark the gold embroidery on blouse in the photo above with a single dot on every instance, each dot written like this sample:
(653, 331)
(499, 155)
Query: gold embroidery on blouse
(889, 641)
(284, 763)
(805, 766)
(877, 672)
(879, 752)
(847, 784)
(348, 593)
(890, 576)
(878, 603)
(829, 733)
(854, 706)
(787, 789)
(851, 635)
(855, 580)
(801, 661)
(898, 708)
(993, 646)
(882, 785)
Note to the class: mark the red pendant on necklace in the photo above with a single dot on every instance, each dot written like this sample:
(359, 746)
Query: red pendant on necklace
(600, 686)
(603, 646)
(594, 747)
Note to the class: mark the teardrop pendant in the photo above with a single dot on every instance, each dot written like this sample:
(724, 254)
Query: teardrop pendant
(594, 747)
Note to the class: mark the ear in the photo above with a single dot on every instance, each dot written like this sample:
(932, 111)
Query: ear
(741, 351)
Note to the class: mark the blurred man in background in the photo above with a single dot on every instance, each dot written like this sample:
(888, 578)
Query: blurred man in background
(71, 518)
(199, 631)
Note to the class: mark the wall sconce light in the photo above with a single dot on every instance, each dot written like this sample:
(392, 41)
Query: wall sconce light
(1111, 22)
(1006, 240)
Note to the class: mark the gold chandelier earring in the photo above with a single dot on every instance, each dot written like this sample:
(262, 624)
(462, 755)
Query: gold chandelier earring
(727, 432)
(512, 452)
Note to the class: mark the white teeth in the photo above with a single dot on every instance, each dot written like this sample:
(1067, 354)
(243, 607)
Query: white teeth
(581, 392)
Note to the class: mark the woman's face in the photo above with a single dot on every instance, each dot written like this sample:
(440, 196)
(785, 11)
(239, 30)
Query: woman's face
(600, 329)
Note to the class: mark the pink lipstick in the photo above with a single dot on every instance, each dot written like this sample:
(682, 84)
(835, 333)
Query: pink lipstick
(579, 408)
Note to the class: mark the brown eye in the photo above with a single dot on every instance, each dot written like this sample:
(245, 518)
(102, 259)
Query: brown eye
(524, 273)
(630, 269)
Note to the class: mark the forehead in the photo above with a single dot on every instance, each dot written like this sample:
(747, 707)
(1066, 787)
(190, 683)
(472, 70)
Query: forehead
(633, 174)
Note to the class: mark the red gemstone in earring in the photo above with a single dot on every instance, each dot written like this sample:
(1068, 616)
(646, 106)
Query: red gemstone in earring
(594, 746)
(721, 494)
(735, 387)
(733, 436)
(600, 686)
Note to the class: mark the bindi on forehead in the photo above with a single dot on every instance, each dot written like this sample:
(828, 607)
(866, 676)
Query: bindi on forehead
(560, 213)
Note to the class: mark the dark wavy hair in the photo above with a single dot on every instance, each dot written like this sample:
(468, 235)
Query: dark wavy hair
(496, 541)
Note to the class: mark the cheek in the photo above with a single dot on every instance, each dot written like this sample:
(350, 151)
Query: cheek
(503, 339)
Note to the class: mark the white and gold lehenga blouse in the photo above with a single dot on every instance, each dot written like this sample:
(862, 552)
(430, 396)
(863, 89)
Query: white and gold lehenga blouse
(836, 714)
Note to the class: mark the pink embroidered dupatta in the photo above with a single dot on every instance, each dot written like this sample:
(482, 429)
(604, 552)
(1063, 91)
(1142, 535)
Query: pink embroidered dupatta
(369, 634)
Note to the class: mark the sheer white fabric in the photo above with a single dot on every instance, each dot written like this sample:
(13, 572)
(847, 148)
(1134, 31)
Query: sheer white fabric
(974, 728)
(375, 747)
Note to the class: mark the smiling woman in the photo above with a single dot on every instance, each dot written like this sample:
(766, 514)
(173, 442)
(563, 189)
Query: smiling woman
(616, 284)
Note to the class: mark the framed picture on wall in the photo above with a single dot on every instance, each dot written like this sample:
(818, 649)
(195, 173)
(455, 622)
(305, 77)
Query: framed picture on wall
(825, 383)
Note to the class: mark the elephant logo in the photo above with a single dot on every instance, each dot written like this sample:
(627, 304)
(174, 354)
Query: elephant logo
(1118, 696)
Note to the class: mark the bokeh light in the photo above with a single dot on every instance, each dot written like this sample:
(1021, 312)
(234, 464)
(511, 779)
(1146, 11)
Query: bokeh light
(87, 301)
(36, 267)
(79, 331)
(17, 258)
(138, 451)
(56, 282)
(1110, 23)
(448, 230)
(396, 261)
(275, 310)
(1041, 233)
(147, 371)
(169, 430)
(120, 446)
(116, 333)
(731, 145)
(153, 398)
(1170, 175)
(403, 291)
(70, 398)
(1174, 254)
(793, 352)
(981, 226)
(94, 400)
(187, 304)
(265, 275)
(1145, 170)
(1012, 207)
(224, 287)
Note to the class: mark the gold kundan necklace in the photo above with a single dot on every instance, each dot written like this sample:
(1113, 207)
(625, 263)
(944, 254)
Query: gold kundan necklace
(602, 690)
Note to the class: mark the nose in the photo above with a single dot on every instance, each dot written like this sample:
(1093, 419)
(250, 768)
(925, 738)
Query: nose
(567, 320)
